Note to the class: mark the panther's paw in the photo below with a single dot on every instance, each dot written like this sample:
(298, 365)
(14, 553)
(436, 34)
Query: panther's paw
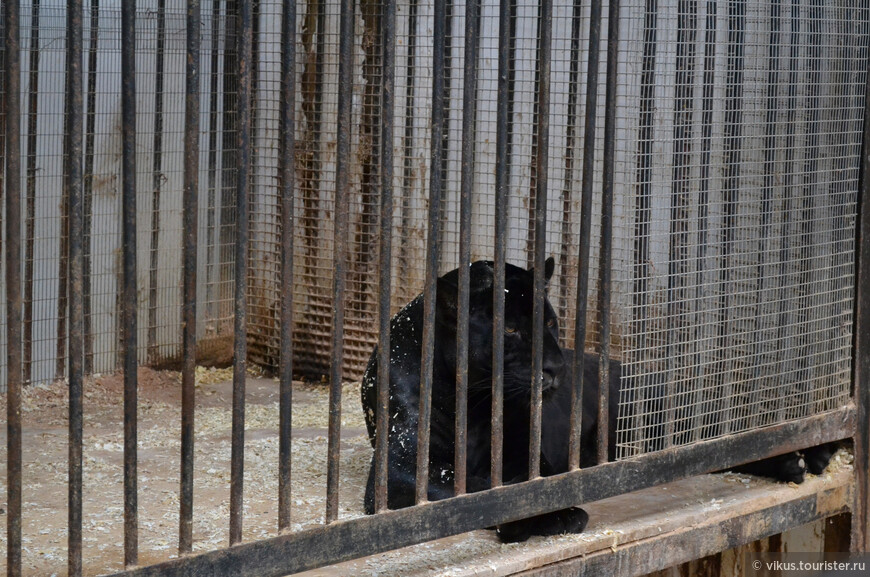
(571, 520)
(788, 468)
(818, 457)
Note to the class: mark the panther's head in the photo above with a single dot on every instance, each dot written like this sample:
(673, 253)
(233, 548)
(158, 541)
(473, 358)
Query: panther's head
(519, 313)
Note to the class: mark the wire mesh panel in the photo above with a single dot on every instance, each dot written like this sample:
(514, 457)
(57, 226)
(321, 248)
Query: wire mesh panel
(160, 78)
(736, 158)
(737, 289)
(317, 69)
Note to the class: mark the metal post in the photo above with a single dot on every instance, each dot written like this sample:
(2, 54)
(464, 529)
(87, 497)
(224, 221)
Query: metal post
(240, 326)
(342, 183)
(287, 171)
(73, 191)
(542, 166)
(388, 37)
(583, 265)
(191, 209)
(469, 94)
(606, 260)
(433, 222)
(12, 113)
(129, 298)
(502, 175)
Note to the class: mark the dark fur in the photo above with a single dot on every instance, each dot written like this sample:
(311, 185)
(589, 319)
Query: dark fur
(405, 367)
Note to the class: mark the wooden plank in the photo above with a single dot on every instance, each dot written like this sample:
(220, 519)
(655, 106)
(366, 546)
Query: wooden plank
(837, 532)
(740, 525)
(623, 521)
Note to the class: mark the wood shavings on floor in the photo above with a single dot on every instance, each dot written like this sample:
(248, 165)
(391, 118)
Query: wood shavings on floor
(45, 475)
(44, 413)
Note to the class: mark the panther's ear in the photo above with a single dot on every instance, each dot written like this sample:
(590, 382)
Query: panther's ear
(446, 297)
(549, 267)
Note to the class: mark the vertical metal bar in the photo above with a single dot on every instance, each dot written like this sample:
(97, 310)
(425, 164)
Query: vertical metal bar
(129, 292)
(388, 38)
(287, 170)
(861, 352)
(502, 172)
(583, 265)
(542, 164)
(240, 325)
(433, 222)
(188, 315)
(606, 260)
(73, 191)
(12, 112)
(342, 183)
(469, 94)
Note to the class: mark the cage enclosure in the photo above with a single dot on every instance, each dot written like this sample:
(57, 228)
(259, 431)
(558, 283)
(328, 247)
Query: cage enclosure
(693, 166)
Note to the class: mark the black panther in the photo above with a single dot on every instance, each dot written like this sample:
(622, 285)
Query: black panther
(405, 338)
(406, 329)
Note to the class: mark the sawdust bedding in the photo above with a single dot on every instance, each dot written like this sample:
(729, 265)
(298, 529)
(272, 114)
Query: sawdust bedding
(44, 414)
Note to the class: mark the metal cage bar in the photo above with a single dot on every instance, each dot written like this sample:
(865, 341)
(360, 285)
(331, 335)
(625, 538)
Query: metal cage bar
(606, 255)
(432, 250)
(502, 192)
(388, 39)
(542, 167)
(469, 96)
(342, 180)
(30, 195)
(288, 189)
(240, 324)
(73, 192)
(339, 281)
(129, 292)
(189, 249)
(583, 267)
(12, 178)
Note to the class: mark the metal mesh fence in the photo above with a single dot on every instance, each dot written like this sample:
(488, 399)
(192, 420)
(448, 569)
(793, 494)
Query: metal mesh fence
(160, 37)
(160, 78)
(316, 123)
(737, 147)
(737, 284)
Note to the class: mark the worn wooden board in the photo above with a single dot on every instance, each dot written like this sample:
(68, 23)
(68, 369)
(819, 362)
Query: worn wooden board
(674, 510)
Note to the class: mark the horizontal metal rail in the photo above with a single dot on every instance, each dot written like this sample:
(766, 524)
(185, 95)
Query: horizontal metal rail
(345, 540)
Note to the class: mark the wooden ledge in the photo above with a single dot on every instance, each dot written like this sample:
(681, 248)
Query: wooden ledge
(631, 534)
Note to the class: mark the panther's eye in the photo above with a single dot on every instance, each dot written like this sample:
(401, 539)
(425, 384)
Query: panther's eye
(551, 323)
(510, 330)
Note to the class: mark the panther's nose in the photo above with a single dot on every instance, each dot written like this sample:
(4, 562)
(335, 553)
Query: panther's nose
(550, 382)
(554, 365)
